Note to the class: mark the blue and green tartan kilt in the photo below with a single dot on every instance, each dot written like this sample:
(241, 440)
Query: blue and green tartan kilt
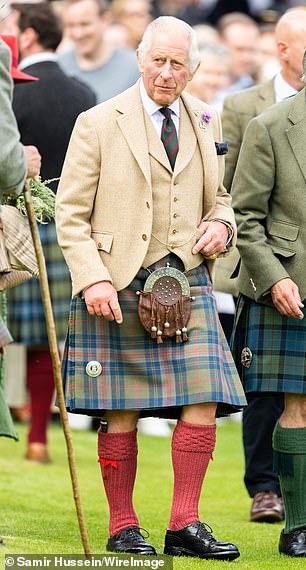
(278, 347)
(26, 318)
(138, 373)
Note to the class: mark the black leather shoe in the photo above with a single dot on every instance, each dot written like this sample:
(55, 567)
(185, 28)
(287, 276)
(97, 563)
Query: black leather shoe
(130, 540)
(196, 540)
(293, 543)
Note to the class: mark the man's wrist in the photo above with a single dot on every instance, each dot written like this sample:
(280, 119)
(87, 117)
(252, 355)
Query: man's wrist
(85, 288)
(230, 232)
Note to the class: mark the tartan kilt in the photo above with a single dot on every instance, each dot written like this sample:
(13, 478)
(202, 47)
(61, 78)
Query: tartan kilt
(278, 346)
(138, 373)
(26, 319)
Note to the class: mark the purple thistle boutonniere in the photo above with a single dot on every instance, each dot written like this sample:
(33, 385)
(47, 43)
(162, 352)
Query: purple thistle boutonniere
(205, 119)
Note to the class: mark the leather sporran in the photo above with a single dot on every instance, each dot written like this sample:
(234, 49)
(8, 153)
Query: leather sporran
(165, 304)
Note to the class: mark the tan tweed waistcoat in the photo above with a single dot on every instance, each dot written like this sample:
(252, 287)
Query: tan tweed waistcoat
(174, 225)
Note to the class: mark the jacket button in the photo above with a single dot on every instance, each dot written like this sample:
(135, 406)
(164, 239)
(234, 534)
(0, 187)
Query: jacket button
(148, 204)
(144, 237)
(99, 244)
(174, 231)
(175, 199)
(175, 215)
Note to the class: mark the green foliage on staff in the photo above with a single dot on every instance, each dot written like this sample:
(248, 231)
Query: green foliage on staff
(43, 200)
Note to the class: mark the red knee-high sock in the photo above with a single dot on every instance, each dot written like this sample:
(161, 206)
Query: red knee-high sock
(41, 387)
(192, 447)
(118, 460)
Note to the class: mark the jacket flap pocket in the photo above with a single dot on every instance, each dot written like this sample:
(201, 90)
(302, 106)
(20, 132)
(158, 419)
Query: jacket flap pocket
(284, 230)
(103, 240)
(282, 251)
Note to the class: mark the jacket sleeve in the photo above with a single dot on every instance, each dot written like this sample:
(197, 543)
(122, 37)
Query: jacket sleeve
(12, 158)
(253, 185)
(74, 204)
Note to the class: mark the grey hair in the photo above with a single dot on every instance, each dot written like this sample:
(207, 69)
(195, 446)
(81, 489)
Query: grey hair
(303, 78)
(164, 22)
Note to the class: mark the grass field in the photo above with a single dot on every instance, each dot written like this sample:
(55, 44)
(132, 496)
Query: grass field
(37, 514)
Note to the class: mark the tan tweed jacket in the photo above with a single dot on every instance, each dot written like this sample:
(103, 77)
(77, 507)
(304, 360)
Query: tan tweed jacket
(104, 208)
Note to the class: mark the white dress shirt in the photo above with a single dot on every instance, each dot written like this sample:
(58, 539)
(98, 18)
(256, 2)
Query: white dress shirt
(37, 58)
(154, 113)
(282, 89)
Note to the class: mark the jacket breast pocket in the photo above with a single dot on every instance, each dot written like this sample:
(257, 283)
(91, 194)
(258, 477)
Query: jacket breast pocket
(103, 240)
(282, 238)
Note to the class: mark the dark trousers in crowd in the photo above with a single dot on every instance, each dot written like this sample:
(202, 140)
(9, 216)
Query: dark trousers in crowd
(259, 419)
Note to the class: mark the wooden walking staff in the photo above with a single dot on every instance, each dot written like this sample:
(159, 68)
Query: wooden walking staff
(45, 292)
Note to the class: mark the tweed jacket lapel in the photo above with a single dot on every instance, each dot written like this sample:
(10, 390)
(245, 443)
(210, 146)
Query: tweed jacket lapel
(206, 142)
(131, 122)
(297, 131)
(266, 96)
(187, 141)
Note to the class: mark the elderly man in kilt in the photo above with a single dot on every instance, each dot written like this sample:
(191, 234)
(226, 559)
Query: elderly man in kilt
(141, 189)
(269, 339)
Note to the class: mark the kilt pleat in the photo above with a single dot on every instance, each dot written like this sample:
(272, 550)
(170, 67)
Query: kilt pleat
(26, 318)
(278, 346)
(139, 374)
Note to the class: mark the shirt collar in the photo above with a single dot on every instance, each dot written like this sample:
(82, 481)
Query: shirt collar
(37, 58)
(151, 107)
(282, 89)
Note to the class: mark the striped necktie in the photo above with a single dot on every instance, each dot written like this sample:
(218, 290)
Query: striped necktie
(169, 136)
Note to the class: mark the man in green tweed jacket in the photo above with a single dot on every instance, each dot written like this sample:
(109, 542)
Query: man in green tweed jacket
(269, 342)
(131, 200)
(262, 412)
(15, 164)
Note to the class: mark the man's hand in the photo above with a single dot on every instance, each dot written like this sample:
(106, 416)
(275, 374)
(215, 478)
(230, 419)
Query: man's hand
(286, 298)
(213, 239)
(33, 160)
(102, 300)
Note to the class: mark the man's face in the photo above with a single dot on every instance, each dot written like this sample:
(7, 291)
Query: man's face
(213, 76)
(135, 16)
(84, 26)
(165, 69)
(241, 41)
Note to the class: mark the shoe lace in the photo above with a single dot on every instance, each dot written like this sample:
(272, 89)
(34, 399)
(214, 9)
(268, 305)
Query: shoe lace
(300, 531)
(134, 532)
(268, 497)
(203, 530)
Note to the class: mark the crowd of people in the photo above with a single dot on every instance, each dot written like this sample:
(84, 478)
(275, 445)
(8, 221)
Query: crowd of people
(120, 102)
